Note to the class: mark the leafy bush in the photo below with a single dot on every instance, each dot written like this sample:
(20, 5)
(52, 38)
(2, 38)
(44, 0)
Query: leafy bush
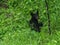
(14, 23)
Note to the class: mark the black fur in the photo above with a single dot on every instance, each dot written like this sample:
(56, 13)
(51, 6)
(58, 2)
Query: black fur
(34, 21)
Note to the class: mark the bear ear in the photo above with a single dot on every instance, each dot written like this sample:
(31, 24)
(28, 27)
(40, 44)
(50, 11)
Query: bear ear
(31, 13)
(37, 12)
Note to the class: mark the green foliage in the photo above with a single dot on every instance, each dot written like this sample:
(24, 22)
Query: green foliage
(14, 23)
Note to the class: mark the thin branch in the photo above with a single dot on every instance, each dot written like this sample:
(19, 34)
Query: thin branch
(47, 11)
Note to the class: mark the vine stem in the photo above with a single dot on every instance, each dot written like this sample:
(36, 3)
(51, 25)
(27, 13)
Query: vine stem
(47, 12)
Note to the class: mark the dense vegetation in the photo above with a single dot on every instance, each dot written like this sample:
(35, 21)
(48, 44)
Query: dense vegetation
(14, 22)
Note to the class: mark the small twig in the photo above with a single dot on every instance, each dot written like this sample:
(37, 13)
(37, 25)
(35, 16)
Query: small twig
(4, 6)
(47, 11)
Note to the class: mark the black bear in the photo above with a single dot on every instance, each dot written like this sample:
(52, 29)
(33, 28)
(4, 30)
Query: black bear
(35, 25)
